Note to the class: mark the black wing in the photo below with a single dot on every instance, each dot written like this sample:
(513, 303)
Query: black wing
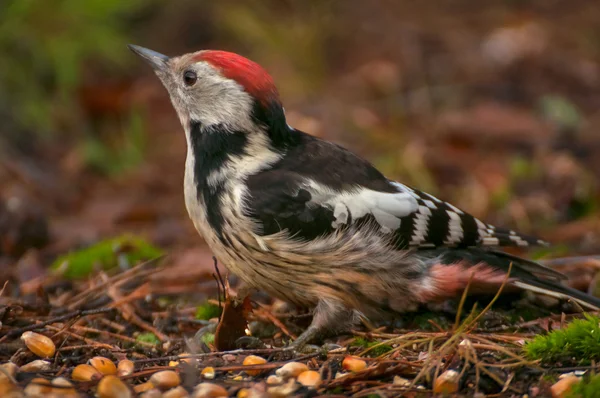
(318, 187)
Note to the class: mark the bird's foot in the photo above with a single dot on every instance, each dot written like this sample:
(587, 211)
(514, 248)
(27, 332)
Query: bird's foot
(250, 342)
(197, 343)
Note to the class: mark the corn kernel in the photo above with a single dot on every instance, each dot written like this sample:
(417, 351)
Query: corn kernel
(112, 387)
(40, 345)
(253, 360)
(309, 378)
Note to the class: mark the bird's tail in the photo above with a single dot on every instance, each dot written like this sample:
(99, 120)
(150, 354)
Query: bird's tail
(554, 289)
(489, 267)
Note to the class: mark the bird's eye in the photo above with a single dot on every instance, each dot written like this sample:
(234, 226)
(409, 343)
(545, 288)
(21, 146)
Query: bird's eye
(189, 77)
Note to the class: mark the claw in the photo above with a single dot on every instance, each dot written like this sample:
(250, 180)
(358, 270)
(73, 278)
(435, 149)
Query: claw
(250, 342)
(196, 343)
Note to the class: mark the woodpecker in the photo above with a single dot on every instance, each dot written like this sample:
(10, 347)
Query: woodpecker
(313, 224)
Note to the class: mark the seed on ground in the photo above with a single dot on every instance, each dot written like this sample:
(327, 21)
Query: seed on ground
(165, 379)
(125, 367)
(354, 364)
(309, 378)
(85, 372)
(291, 369)
(40, 345)
(112, 387)
(253, 360)
(209, 390)
(447, 382)
(103, 365)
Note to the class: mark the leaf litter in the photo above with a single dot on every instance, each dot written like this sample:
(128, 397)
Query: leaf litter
(121, 317)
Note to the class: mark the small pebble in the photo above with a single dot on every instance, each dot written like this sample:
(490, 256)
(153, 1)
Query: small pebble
(401, 381)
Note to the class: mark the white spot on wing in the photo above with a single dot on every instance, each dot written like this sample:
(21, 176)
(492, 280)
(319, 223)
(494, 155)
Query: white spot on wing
(490, 241)
(518, 240)
(386, 207)
(456, 209)
(455, 230)
(430, 204)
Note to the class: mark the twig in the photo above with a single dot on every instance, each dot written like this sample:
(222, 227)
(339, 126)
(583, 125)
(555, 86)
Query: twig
(263, 312)
(138, 270)
(57, 319)
(115, 335)
(129, 314)
(487, 307)
(260, 351)
(462, 301)
(87, 341)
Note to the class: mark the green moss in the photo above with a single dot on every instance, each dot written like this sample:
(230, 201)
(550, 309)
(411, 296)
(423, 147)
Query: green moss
(207, 311)
(336, 391)
(375, 352)
(148, 337)
(588, 388)
(579, 341)
(421, 321)
(124, 251)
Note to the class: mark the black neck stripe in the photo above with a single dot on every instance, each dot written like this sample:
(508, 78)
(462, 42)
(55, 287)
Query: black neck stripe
(212, 148)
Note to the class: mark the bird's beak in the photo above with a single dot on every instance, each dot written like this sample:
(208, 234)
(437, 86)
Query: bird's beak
(156, 60)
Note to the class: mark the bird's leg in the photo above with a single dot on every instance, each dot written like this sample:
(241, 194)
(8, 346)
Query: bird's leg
(329, 316)
(196, 344)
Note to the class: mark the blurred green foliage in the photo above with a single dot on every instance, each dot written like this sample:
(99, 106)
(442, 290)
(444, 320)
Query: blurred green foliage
(560, 111)
(268, 27)
(126, 153)
(43, 57)
(207, 311)
(124, 251)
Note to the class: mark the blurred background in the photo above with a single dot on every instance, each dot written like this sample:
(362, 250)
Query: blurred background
(494, 107)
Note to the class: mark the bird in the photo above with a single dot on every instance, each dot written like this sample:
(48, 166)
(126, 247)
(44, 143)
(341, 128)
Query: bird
(315, 225)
